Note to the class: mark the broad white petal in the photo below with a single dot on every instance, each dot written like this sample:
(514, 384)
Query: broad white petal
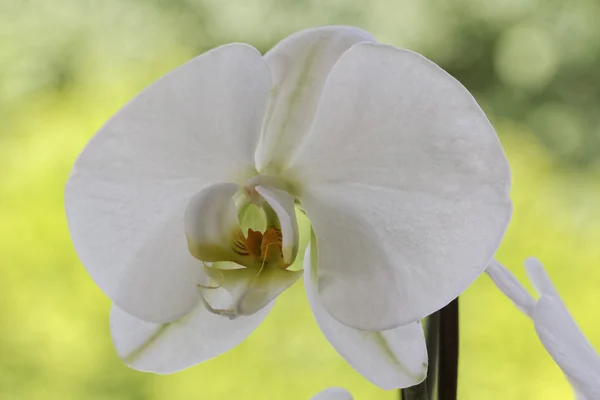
(568, 346)
(403, 149)
(250, 290)
(211, 221)
(158, 284)
(580, 396)
(299, 64)
(167, 348)
(390, 359)
(510, 286)
(284, 206)
(357, 282)
(334, 393)
(196, 126)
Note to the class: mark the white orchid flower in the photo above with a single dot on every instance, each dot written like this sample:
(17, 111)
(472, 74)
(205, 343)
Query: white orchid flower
(333, 393)
(400, 173)
(555, 327)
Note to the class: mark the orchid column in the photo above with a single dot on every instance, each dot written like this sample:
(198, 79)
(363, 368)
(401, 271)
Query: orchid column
(399, 171)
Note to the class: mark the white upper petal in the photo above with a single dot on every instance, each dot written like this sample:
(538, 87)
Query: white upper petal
(406, 185)
(195, 126)
(556, 329)
(284, 206)
(334, 393)
(167, 348)
(390, 359)
(299, 64)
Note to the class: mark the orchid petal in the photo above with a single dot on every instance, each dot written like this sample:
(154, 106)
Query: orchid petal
(196, 126)
(390, 359)
(171, 347)
(159, 283)
(403, 150)
(284, 206)
(334, 393)
(511, 287)
(351, 261)
(251, 290)
(580, 396)
(211, 222)
(299, 64)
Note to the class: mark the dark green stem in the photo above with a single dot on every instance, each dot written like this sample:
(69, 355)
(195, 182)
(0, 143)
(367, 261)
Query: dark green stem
(418, 392)
(442, 347)
(448, 359)
(424, 390)
(433, 346)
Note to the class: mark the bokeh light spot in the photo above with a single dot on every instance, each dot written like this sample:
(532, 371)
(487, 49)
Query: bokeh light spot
(526, 57)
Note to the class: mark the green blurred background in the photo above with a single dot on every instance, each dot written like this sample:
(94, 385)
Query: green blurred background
(66, 66)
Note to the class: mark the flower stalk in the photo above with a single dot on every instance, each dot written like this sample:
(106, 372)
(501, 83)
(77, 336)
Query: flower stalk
(418, 392)
(448, 352)
(433, 346)
(442, 335)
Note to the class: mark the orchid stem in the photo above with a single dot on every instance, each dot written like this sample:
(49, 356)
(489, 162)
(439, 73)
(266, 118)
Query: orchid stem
(448, 356)
(433, 348)
(442, 347)
(418, 392)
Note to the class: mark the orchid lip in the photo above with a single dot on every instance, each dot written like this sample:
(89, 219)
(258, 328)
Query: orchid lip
(263, 253)
(223, 239)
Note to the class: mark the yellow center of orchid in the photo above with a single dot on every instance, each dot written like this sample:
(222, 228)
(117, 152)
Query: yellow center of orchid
(260, 249)
(246, 239)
